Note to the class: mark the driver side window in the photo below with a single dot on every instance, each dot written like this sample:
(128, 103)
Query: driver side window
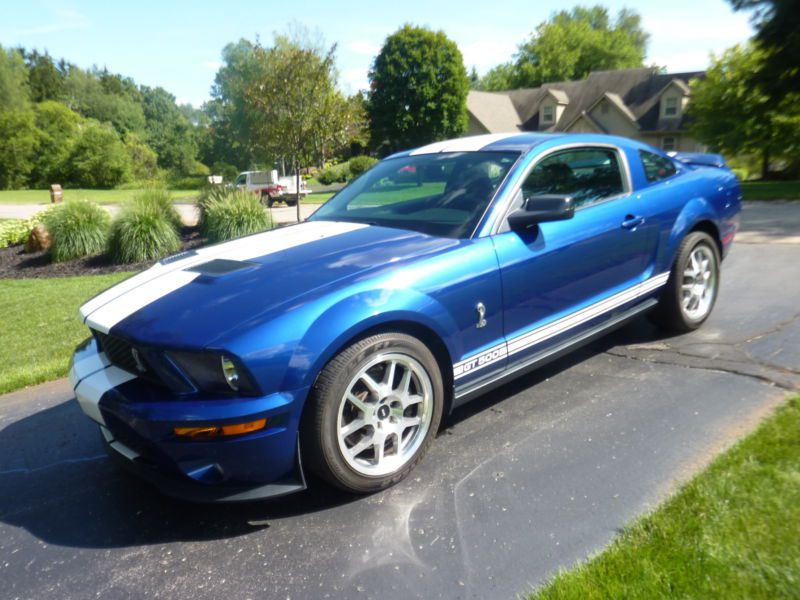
(588, 175)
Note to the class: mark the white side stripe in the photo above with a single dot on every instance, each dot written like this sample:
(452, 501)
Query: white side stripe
(545, 332)
(92, 388)
(121, 301)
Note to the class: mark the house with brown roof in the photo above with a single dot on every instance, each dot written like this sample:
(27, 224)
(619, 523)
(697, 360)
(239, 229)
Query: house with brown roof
(643, 104)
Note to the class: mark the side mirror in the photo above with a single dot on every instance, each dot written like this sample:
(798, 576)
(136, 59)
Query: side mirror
(538, 209)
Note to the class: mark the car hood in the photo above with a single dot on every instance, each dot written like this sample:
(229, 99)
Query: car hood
(192, 299)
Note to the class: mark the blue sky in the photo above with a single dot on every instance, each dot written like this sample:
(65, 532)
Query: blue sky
(177, 44)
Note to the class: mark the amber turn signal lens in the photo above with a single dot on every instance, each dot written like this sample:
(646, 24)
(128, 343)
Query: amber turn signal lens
(213, 431)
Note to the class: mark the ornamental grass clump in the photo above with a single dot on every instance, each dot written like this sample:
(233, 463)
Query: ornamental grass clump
(160, 201)
(142, 231)
(233, 215)
(77, 228)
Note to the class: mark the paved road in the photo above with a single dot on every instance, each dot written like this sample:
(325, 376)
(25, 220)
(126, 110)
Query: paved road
(529, 478)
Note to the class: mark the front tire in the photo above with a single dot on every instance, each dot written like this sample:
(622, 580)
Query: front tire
(373, 413)
(691, 291)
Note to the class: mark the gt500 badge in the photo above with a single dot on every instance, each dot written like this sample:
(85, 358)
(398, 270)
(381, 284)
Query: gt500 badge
(477, 362)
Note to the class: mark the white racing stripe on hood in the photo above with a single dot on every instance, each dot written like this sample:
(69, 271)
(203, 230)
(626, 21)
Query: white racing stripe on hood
(121, 301)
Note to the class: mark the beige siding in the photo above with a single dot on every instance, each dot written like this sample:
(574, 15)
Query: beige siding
(614, 122)
(474, 127)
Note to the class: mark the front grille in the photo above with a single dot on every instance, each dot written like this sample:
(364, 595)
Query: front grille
(146, 363)
(119, 353)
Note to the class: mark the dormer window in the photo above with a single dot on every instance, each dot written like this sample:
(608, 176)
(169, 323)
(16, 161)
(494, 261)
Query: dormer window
(670, 106)
(548, 114)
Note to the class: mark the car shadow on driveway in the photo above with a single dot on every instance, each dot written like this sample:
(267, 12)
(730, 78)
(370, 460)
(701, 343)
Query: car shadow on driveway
(57, 483)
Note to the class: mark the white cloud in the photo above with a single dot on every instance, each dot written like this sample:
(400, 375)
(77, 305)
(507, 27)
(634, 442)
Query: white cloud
(65, 20)
(354, 80)
(213, 65)
(486, 53)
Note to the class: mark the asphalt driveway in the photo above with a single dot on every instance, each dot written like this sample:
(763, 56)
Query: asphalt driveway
(531, 477)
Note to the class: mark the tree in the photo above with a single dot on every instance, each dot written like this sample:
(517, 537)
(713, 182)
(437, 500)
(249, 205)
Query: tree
(168, 131)
(58, 128)
(291, 101)
(98, 158)
(18, 142)
(106, 98)
(733, 117)
(45, 79)
(14, 93)
(572, 44)
(226, 138)
(418, 89)
(778, 36)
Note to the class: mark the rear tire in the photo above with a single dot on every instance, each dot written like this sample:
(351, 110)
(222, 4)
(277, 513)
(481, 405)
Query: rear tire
(691, 291)
(373, 413)
(291, 201)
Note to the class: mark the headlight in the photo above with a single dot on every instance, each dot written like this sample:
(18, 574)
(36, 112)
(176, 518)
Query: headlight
(215, 372)
(230, 372)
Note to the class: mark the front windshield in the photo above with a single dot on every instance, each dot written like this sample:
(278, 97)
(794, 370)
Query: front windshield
(441, 194)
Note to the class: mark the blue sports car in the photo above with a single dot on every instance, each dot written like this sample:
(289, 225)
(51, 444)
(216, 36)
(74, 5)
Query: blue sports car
(337, 344)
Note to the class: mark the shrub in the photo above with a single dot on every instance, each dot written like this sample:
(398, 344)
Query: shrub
(142, 231)
(98, 158)
(77, 228)
(15, 231)
(334, 174)
(360, 164)
(233, 213)
(159, 200)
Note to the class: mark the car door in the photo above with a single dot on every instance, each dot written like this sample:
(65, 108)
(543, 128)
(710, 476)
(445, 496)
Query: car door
(562, 278)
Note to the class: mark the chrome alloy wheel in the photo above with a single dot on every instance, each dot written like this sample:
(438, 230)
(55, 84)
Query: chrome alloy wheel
(699, 283)
(385, 414)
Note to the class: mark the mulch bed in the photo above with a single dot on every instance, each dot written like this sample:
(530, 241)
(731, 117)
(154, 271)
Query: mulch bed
(14, 264)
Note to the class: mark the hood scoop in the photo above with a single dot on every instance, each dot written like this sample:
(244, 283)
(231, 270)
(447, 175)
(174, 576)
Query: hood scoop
(221, 266)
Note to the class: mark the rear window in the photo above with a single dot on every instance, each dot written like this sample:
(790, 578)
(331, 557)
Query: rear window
(657, 167)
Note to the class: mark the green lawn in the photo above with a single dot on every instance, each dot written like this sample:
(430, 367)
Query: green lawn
(98, 196)
(40, 326)
(317, 198)
(732, 532)
(771, 190)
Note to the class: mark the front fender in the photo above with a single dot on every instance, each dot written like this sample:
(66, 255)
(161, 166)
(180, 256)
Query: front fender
(693, 212)
(361, 312)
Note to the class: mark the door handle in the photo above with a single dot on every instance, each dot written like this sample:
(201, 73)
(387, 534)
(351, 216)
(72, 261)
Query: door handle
(632, 222)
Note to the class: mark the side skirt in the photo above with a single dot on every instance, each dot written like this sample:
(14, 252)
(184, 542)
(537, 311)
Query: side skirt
(471, 390)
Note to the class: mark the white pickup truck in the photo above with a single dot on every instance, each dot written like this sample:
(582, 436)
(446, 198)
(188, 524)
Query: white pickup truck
(270, 187)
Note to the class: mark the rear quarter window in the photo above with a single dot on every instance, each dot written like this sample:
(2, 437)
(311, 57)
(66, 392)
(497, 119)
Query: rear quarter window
(657, 168)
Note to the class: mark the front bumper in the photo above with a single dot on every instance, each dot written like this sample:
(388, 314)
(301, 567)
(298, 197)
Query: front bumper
(137, 421)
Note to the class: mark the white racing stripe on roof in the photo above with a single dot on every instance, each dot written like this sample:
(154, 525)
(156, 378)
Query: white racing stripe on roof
(111, 307)
(465, 144)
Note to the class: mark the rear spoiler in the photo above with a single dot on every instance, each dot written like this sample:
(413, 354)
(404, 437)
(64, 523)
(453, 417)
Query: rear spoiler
(698, 159)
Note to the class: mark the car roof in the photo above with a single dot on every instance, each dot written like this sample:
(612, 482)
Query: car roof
(515, 142)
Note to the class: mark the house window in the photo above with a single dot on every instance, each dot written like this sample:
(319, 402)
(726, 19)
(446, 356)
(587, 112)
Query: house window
(668, 144)
(671, 107)
(548, 114)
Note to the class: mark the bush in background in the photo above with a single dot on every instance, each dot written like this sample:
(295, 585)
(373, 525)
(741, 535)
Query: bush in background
(77, 228)
(98, 159)
(344, 172)
(358, 165)
(144, 230)
(228, 214)
(333, 174)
